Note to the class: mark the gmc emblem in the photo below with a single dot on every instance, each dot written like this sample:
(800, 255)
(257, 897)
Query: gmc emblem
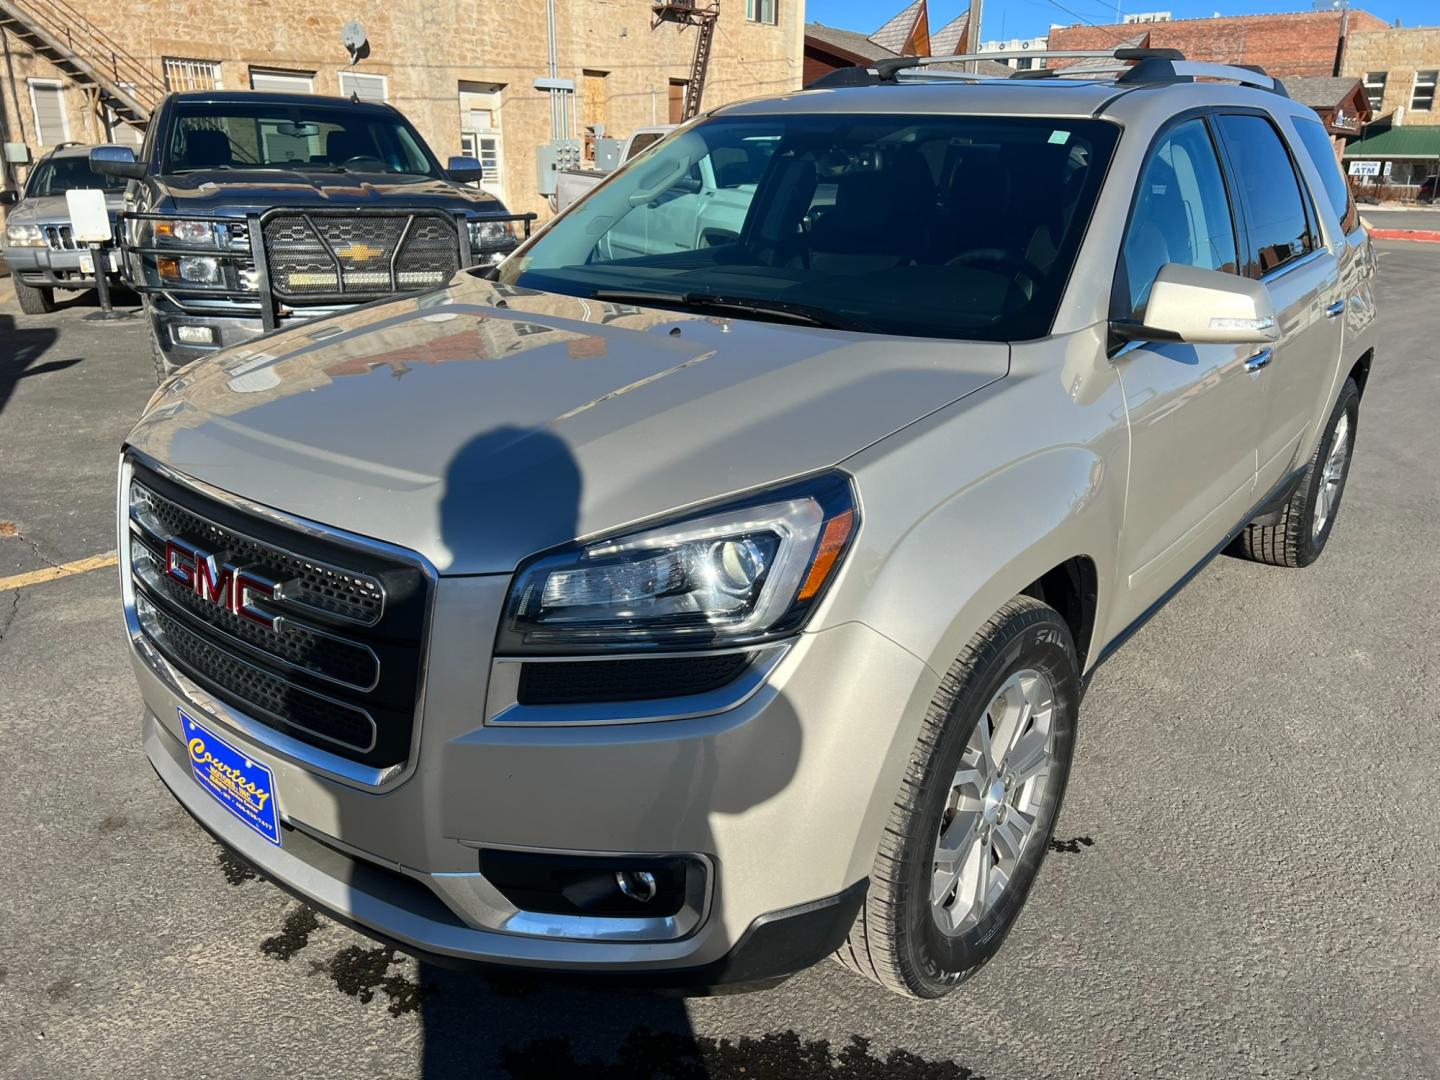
(226, 585)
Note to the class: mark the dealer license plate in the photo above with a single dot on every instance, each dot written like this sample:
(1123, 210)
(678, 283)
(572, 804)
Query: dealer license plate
(241, 785)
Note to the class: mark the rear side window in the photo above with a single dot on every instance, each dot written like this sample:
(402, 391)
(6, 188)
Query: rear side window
(1181, 215)
(1279, 228)
(1337, 191)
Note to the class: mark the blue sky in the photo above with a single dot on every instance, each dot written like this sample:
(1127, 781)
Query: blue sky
(1029, 18)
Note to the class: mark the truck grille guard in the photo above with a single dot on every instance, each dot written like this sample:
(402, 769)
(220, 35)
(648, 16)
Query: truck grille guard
(286, 258)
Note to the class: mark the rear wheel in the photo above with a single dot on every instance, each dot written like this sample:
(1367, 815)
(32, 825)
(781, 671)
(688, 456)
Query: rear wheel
(1299, 535)
(976, 809)
(33, 300)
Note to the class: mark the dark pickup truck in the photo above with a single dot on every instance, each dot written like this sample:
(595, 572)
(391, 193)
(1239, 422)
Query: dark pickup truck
(249, 211)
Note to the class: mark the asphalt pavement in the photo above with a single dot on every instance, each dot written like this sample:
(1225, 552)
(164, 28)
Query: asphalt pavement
(1246, 879)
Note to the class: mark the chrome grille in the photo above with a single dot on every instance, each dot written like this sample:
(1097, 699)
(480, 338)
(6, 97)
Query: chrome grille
(340, 666)
(311, 255)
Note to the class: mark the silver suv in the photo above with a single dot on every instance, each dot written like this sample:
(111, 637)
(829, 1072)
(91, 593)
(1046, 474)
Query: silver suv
(688, 603)
(39, 246)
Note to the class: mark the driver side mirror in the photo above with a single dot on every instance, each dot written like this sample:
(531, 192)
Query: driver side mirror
(1188, 303)
(116, 161)
(9, 197)
(464, 170)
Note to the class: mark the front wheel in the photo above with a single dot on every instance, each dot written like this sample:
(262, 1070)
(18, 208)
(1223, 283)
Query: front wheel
(976, 809)
(34, 301)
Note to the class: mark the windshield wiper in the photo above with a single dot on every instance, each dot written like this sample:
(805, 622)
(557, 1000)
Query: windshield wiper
(778, 310)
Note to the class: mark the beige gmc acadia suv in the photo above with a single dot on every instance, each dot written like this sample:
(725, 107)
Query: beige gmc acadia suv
(703, 593)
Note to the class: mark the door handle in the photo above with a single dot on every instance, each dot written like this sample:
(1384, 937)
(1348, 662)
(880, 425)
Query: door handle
(1259, 360)
(1335, 309)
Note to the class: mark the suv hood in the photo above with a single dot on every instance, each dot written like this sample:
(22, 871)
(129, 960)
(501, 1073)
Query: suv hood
(480, 424)
(53, 209)
(241, 191)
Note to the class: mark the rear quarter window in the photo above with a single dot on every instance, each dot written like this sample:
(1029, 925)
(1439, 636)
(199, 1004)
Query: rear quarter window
(1316, 142)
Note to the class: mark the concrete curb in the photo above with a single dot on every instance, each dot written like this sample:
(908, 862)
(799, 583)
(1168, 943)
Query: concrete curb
(1428, 236)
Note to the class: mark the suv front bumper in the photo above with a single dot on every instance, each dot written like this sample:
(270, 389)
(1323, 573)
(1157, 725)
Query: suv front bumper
(47, 268)
(781, 797)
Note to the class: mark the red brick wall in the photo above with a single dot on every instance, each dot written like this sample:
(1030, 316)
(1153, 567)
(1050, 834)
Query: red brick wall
(1304, 43)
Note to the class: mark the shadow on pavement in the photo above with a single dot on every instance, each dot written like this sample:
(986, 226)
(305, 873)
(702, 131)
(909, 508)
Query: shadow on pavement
(19, 351)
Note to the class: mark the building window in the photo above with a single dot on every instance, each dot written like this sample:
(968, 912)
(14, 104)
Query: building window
(762, 11)
(47, 104)
(484, 147)
(1422, 99)
(290, 82)
(1375, 89)
(1024, 63)
(366, 87)
(183, 74)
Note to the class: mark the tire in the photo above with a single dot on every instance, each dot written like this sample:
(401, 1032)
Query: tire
(1299, 535)
(898, 939)
(34, 301)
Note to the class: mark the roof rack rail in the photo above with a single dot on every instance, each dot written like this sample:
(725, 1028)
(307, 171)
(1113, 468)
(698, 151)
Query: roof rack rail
(887, 70)
(1145, 66)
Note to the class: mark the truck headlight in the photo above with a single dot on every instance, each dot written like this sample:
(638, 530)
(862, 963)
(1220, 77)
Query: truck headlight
(487, 235)
(183, 231)
(195, 269)
(747, 571)
(24, 236)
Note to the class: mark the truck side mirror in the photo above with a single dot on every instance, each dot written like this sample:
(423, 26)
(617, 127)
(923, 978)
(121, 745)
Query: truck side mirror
(116, 161)
(464, 170)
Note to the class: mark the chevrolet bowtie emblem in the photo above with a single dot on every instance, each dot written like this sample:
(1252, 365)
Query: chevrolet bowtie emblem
(358, 252)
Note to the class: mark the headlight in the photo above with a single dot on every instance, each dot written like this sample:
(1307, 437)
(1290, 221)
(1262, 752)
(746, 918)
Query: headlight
(744, 572)
(182, 231)
(490, 234)
(24, 236)
(194, 269)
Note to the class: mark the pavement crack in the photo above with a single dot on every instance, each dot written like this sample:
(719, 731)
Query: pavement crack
(9, 616)
(9, 528)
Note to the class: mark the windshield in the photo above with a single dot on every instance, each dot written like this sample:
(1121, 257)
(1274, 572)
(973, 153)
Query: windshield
(944, 226)
(319, 138)
(55, 176)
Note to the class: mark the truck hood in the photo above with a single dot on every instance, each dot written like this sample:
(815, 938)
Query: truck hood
(237, 192)
(480, 424)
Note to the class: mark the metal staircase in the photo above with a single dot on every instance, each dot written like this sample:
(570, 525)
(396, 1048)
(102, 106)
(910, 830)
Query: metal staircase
(87, 56)
(698, 13)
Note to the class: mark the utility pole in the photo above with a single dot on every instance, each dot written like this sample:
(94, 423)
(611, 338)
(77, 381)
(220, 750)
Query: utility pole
(972, 31)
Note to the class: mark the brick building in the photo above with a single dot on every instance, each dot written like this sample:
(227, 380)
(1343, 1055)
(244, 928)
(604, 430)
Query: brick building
(1297, 43)
(463, 72)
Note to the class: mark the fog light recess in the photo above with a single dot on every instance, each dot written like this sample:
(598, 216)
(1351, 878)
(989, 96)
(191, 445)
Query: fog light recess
(603, 886)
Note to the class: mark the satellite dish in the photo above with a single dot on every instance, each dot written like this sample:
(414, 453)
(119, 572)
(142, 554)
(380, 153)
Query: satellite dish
(352, 36)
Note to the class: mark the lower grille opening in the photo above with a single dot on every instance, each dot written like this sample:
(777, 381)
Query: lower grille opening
(617, 887)
(583, 682)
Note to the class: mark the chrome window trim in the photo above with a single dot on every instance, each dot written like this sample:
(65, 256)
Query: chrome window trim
(503, 709)
(1295, 264)
(310, 758)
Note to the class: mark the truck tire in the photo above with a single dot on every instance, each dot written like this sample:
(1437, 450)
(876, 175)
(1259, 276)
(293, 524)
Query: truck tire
(34, 301)
(1298, 537)
(976, 809)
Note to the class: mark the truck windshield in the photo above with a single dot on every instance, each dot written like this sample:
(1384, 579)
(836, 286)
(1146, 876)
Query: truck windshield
(941, 226)
(322, 138)
(55, 176)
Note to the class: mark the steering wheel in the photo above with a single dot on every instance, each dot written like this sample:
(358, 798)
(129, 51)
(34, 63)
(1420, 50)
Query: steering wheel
(1018, 267)
(363, 159)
